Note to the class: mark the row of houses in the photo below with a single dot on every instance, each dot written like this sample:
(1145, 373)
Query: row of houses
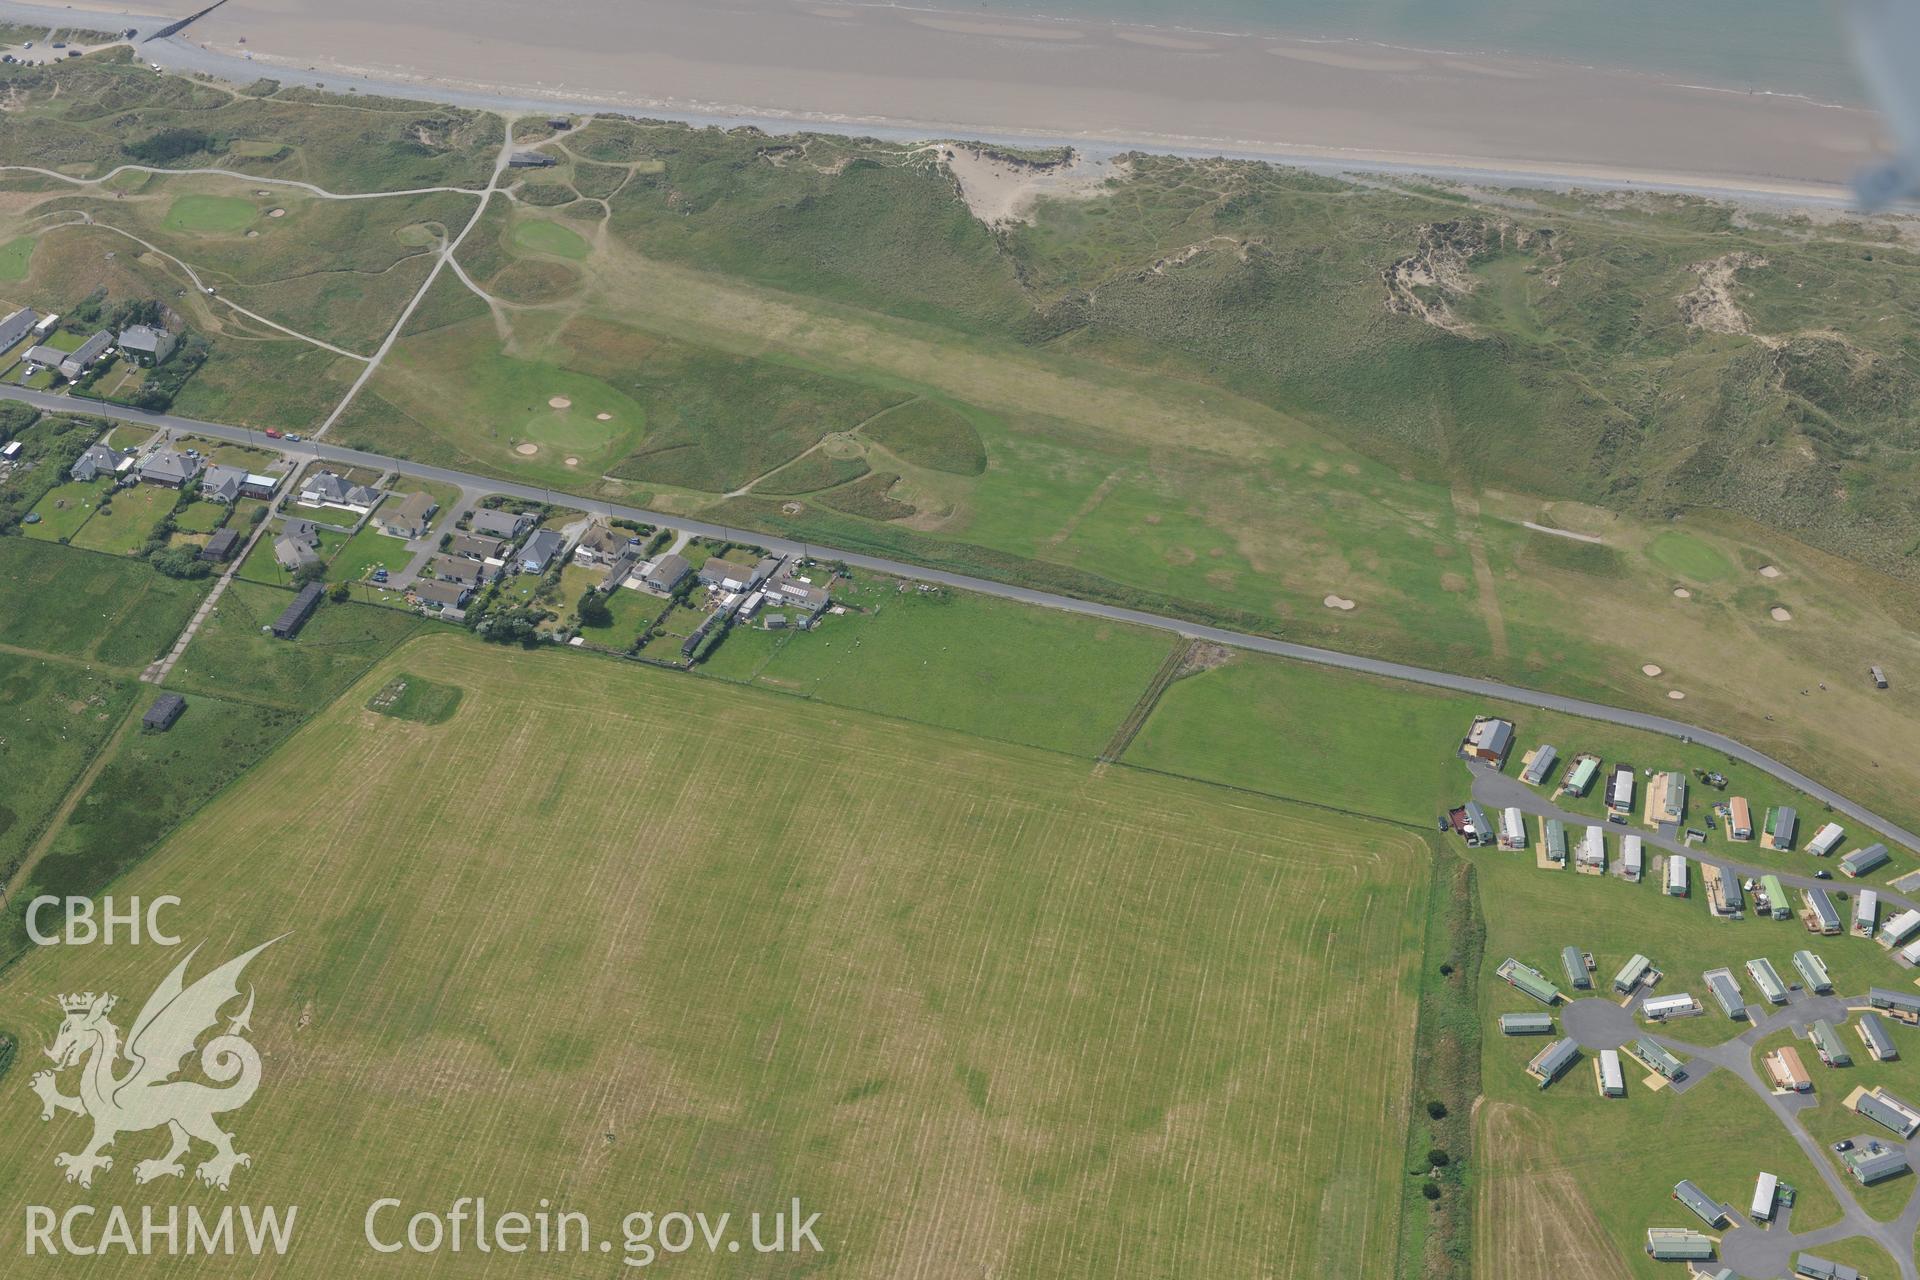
(173, 469)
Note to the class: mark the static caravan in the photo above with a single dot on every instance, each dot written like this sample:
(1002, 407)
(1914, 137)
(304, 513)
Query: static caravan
(1552, 1062)
(1765, 1189)
(1866, 912)
(1574, 961)
(1739, 819)
(1630, 857)
(1861, 861)
(1899, 929)
(1613, 1084)
(1513, 828)
(1677, 876)
(1620, 789)
(1554, 836)
(1679, 1005)
(1580, 775)
(1822, 915)
(1813, 971)
(1873, 1034)
(1632, 974)
(1526, 1024)
(1826, 840)
(1593, 850)
(1768, 980)
(1777, 904)
(1726, 992)
(1539, 765)
(1782, 826)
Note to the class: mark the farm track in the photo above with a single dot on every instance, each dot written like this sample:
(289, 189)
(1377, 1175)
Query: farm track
(1149, 699)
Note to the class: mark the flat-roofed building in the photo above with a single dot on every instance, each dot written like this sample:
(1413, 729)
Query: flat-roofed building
(1676, 876)
(1574, 961)
(1552, 1062)
(1613, 1084)
(1528, 979)
(1873, 1034)
(1826, 840)
(1539, 765)
(1866, 912)
(1827, 1043)
(1861, 861)
(1677, 1244)
(1884, 1108)
(1900, 929)
(1657, 1059)
(1785, 1070)
(1778, 906)
(1739, 819)
(1766, 1189)
(1679, 1005)
(1726, 993)
(1822, 915)
(1705, 1207)
(1632, 974)
(1762, 972)
(1813, 972)
(1631, 857)
(1526, 1024)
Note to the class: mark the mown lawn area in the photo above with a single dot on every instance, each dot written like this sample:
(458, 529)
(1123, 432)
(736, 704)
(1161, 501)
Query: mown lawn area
(65, 509)
(123, 527)
(363, 552)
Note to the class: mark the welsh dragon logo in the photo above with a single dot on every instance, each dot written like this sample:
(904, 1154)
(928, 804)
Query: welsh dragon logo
(130, 1088)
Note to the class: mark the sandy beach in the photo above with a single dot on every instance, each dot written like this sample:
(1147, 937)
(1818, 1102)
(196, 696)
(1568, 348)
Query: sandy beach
(950, 73)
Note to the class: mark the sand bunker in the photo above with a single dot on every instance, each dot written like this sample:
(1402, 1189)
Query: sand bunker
(1682, 593)
(559, 402)
(603, 417)
(276, 213)
(1675, 694)
(1768, 571)
(526, 450)
(1649, 670)
(573, 462)
(1337, 602)
(1779, 615)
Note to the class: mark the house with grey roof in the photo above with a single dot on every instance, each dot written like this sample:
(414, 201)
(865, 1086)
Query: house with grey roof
(145, 345)
(442, 597)
(98, 460)
(17, 326)
(540, 549)
(407, 517)
(730, 575)
(488, 522)
(221, 483)
(294, 554)
(86, 355)
(326, 489)
(604, 545)
(665, 572)
(169, 467)
(1489, 740)
(469, 547)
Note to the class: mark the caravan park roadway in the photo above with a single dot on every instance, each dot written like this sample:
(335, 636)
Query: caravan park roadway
(311, 450)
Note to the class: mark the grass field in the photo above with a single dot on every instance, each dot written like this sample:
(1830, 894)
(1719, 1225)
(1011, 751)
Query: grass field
(123, 527)
(959, 661)
(103, 608)
(56, 715)
(65, 509)
(845, 980)
(15, 255)
(545, 236)
(222, 214)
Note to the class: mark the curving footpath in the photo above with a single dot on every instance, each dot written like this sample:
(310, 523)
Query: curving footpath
(312, 450)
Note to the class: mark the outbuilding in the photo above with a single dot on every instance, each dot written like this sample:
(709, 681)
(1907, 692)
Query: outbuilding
(221, 546)
(165, 710)
(295, 615)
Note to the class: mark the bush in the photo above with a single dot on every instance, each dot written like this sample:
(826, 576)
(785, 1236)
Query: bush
(340, 593)
(1430, 1191)
(594, 611)
(1438, 1159)
(1437, 1110)
(171, 144)
(178, 562)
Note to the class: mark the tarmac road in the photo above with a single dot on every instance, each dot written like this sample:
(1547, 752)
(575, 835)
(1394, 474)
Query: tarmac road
(312, 449)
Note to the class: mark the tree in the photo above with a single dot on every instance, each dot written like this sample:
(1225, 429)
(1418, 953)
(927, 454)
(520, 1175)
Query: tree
(594, 611)
(178, 562)
(340, 593)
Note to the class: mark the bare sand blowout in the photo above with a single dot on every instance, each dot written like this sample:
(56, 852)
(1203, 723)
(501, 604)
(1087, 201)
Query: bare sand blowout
(952, 73)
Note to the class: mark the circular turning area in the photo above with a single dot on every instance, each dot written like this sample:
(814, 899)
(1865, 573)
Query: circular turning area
(1595, 1023)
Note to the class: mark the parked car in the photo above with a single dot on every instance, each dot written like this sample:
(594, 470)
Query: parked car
(291, 436)
(1823, 874)
(273, 433)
